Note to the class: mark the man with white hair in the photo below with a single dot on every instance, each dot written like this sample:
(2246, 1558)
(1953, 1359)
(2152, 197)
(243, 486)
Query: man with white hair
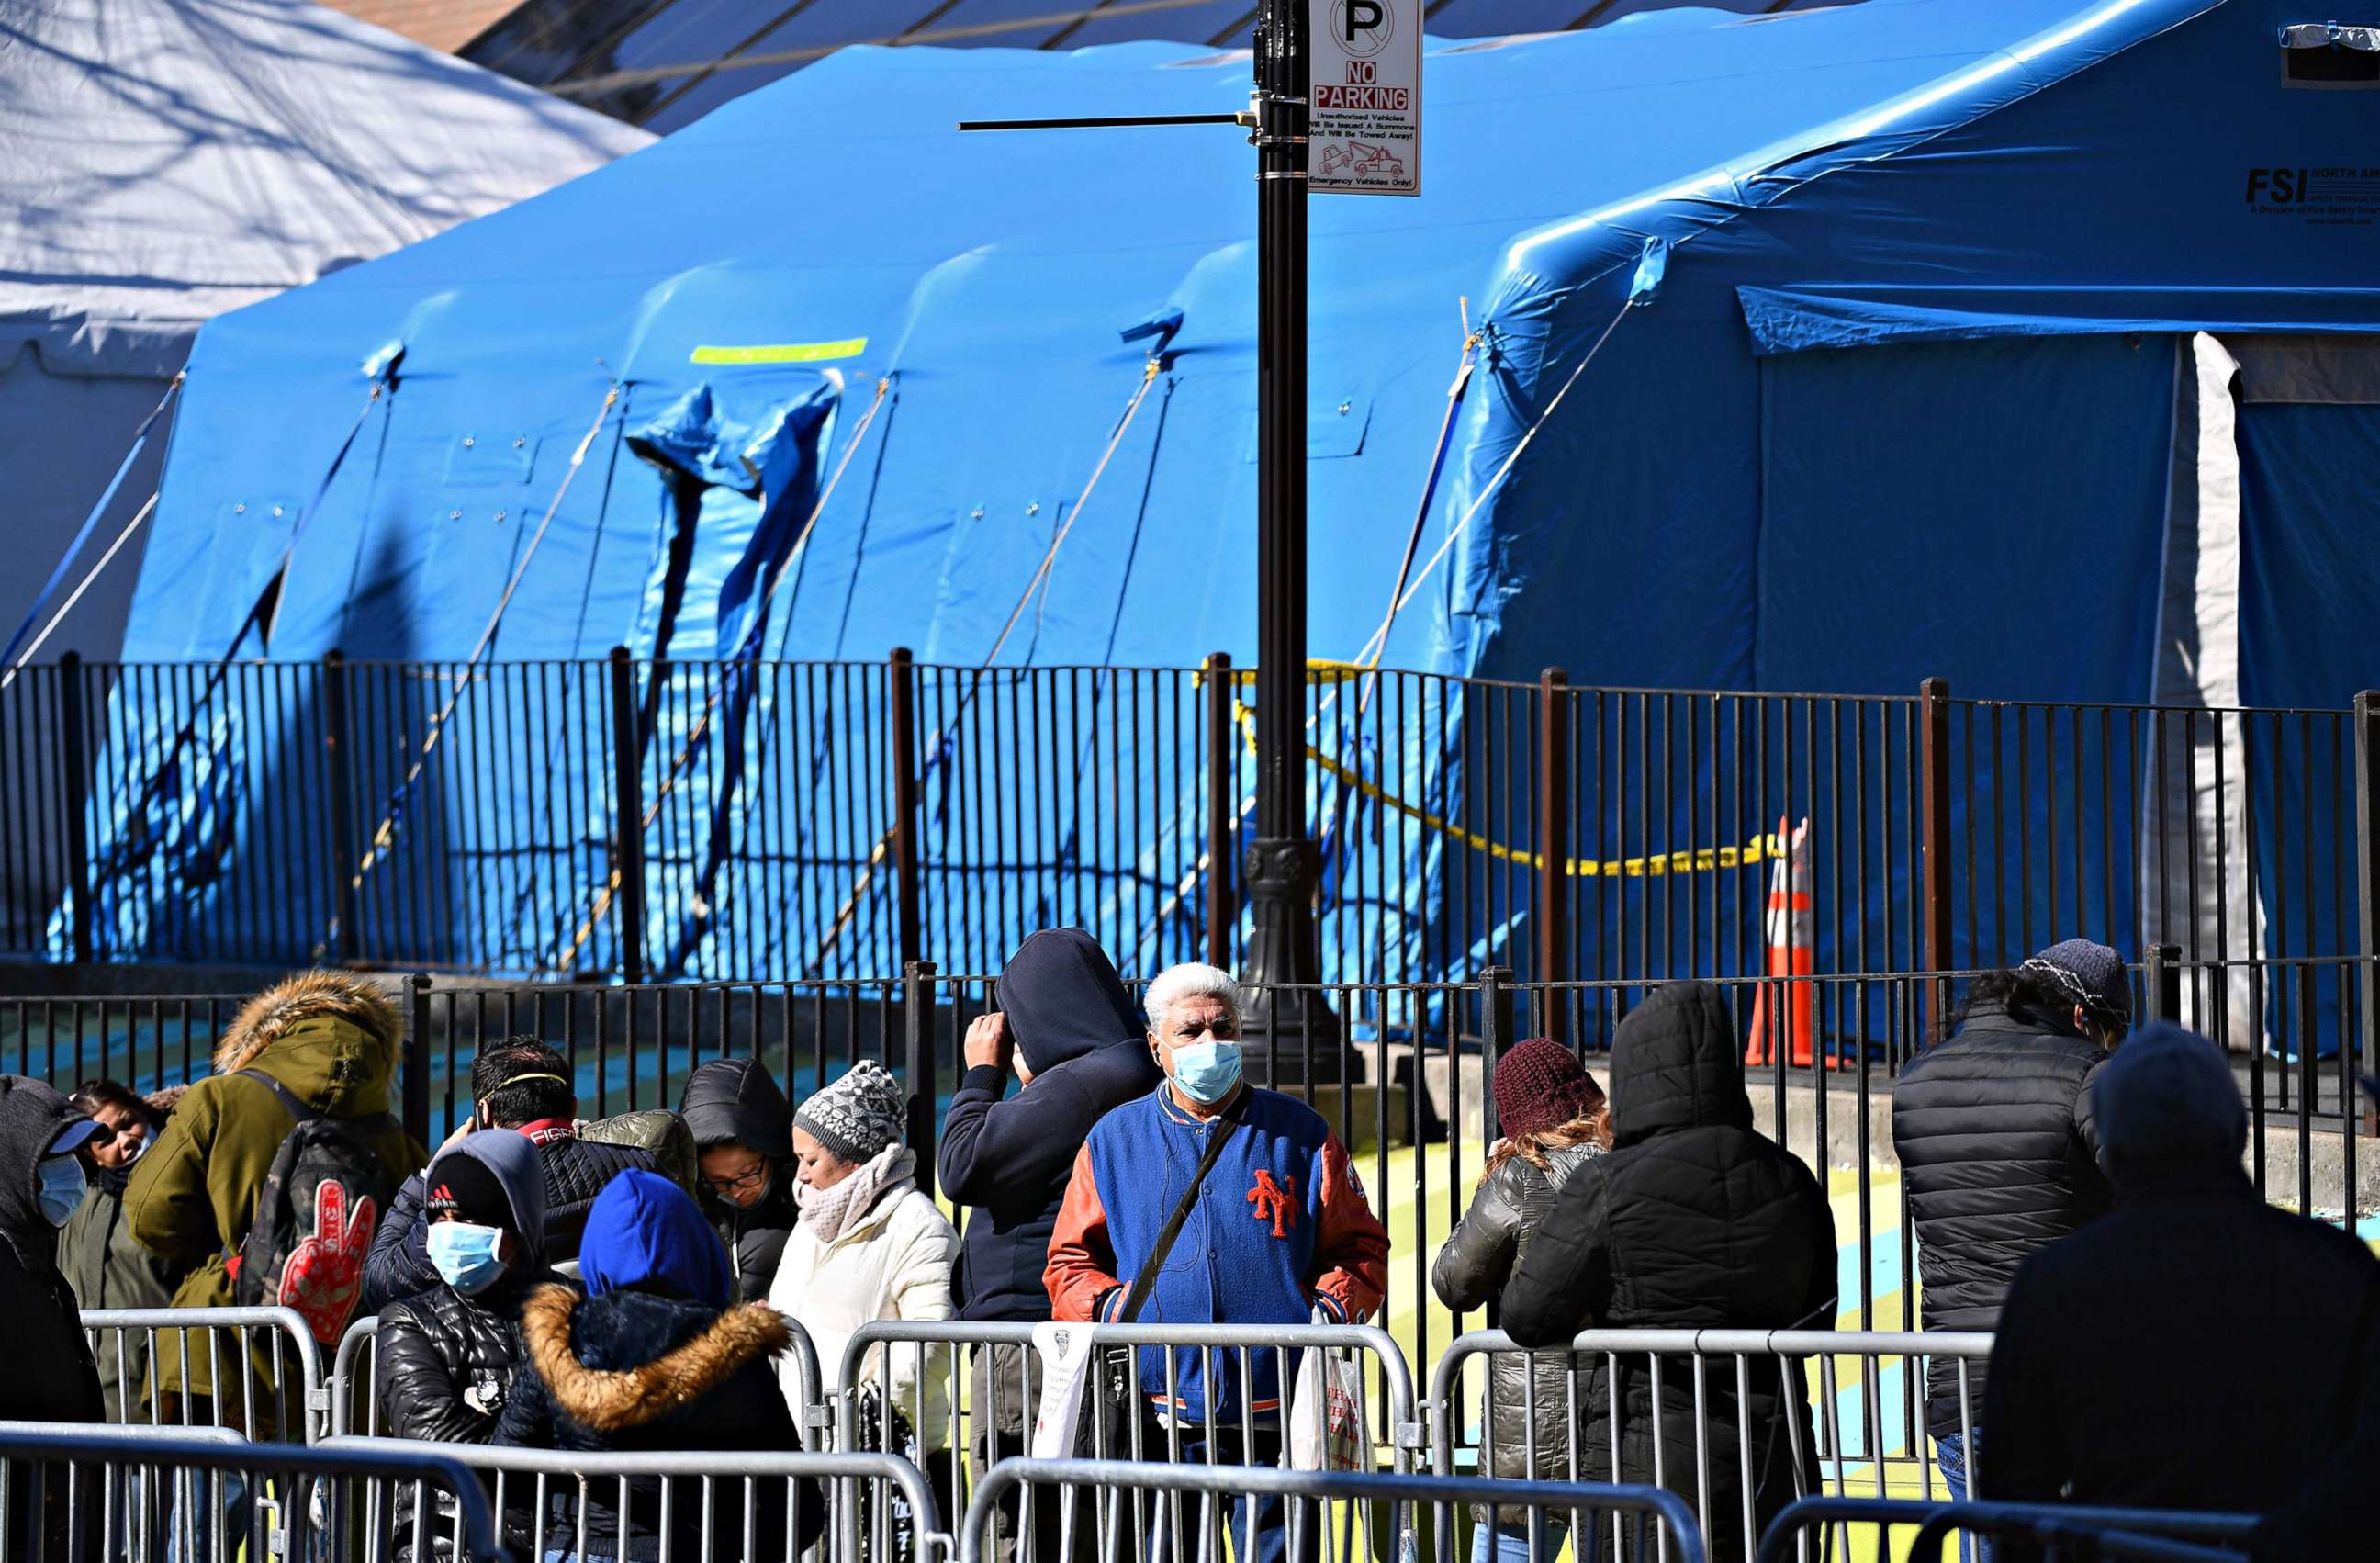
(1269, 1224)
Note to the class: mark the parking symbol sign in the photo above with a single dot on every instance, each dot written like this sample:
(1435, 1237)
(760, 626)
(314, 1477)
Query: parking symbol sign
(1364, 131)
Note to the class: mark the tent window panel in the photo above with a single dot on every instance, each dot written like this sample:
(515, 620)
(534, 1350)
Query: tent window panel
(2325, 55)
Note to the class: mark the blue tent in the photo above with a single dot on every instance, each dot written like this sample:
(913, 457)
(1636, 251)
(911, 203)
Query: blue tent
(1837, 348)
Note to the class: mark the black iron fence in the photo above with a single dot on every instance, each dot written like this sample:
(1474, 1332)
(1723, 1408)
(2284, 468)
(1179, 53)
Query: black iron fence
(624, 820)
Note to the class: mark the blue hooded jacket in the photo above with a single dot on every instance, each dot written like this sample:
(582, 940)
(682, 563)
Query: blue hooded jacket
(645, 1233)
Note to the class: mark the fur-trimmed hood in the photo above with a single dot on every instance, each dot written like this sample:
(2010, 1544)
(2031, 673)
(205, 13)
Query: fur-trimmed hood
(624, 1358)
(331, 1038)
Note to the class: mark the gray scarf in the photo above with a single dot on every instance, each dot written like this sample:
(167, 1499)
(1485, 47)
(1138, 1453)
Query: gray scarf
(829, 1212)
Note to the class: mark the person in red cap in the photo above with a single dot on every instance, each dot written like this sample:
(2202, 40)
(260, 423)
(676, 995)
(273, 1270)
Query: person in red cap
(1554, 1120)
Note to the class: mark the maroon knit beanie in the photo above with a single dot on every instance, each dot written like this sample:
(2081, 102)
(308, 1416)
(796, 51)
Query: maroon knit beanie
(1539, 1086)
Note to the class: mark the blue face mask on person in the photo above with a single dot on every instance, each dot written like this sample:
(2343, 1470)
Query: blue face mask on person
(63, 1187)
(1207, 1070)
(466, 1255)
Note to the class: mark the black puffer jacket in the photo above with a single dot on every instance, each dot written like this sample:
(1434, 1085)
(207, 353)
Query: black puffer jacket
(50, 1374)
(737, 1099)
(1999, 1158)
(447, 1363)
(633, 1371)
(1081, 1035)
(576, 1171)
(1692, 1221)
(1473, 1268)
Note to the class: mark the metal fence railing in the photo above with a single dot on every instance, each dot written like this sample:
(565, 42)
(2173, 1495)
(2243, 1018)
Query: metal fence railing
(258, 1371)
(623, 819)
(1834, 1527)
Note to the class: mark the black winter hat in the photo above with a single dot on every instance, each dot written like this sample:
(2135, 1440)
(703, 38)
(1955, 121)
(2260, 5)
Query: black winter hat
(466, 1188)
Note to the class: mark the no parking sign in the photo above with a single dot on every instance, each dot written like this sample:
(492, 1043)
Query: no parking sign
(1364, 135)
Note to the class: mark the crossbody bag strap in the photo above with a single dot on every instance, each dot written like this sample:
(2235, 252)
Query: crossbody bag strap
(1146, 1281)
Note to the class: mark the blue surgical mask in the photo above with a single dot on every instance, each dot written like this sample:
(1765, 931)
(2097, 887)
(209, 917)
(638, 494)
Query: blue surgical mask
(1207, 1070)
(466, 1255)
(63, 1188)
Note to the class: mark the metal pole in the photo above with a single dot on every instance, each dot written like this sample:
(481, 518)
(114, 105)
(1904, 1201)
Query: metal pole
(2367, 883)
(78, 795)
(2161, 976)
(901, 693)
(1553, 845)
(1282, 867)
(1222, 807)
(917, 1063)
(339, 764)
(1934, 802)
(628, 814)
(416, 1090)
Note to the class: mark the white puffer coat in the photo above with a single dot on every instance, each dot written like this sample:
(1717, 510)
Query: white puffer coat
(891, 1262)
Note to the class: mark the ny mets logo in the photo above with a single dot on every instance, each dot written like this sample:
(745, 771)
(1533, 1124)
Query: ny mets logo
(1274, 1203)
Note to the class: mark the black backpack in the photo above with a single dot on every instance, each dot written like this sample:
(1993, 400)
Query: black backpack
(315, 1216)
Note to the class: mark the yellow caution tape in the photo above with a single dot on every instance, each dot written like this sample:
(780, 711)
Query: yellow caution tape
(783, 352)
(1319, 670)
(1760, 849)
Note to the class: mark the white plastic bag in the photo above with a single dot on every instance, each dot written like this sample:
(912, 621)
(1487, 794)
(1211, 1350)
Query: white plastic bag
(1326, 1413)
(1065, 1351)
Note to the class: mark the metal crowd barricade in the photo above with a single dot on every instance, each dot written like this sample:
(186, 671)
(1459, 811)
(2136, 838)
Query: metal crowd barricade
(1866, 1389)
(202, 1495)
(2058, 1533)
(263, 1346)
(955, 1403)
(1136, 1511)
(354, 1398)
(542, 1493)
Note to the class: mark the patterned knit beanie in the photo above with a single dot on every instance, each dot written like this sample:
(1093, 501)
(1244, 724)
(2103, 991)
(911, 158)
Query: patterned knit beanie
(857, 1115)
(1539, 1085)
(2089, 974)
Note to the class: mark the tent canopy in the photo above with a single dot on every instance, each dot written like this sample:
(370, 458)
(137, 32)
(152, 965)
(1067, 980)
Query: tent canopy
(1896, 378)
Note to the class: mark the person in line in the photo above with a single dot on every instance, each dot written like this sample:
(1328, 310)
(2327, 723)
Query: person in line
(523, 1085)
(96, 1250)
(1555, 1121)
(1064, 1025)
(2086, 1405)
(658, 1356)
(1278, 1230)
(1694, 1220)
(51, 1375)
(449, 1354)
(742, 1144)
(870, 1245)
(1999, 1154)
(329, 1042)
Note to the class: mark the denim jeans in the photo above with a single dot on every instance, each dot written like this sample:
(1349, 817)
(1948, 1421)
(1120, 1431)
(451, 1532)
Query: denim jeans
(190, 1529)
(1494, 1545)
(1952, 1452)
(1270, 1513)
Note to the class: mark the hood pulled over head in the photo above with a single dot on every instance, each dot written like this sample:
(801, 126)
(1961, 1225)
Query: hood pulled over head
(31, 1117)
(1676, 1063)
(333, 1038)
(2169, 1113)
(738, 1099)
(646, 1233)
(1063, 999)
(518, 1168)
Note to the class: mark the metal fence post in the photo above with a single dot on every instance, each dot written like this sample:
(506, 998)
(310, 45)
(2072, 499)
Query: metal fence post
(1495, 1038)
(2161, 975)
(417, 1059)
(1553, 840)
(339, 764)
(77, 777)
(1222, 808)
(917, 1063)
(628, 815)
(901, 703)
(1934, 806)
(2367, 883)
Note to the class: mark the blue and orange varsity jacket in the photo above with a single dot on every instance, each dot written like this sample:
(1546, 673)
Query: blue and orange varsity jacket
(1280, 1227)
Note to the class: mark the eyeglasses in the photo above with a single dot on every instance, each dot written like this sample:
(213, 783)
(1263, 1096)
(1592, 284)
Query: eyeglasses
(751, 1180)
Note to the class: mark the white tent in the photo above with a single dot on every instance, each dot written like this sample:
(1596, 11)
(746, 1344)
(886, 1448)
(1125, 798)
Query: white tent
(163, 161)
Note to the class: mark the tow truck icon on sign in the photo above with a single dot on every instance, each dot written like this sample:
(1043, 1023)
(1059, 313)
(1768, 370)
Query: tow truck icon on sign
(1362, 160)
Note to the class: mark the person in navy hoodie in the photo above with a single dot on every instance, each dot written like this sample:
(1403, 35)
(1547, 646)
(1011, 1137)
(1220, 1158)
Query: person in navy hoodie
(1074, 1039)
(1281, 1229)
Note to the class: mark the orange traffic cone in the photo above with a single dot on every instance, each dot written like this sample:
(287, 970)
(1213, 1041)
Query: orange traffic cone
(1790, 931)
